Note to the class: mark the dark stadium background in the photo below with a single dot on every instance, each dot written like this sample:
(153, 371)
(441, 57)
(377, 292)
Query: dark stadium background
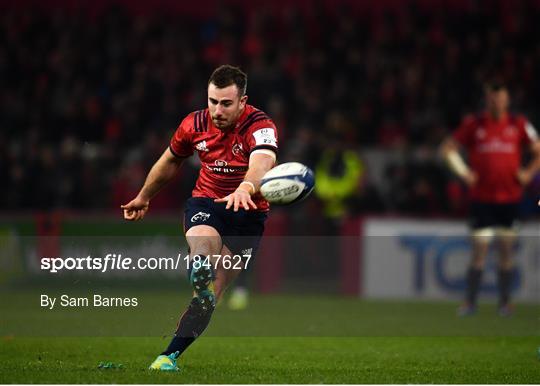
(92, 91)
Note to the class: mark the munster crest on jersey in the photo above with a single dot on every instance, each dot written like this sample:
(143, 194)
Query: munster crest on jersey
(237, 149)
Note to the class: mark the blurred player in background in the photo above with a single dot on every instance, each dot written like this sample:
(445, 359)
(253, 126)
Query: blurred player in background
(225, 216)
(493, 140)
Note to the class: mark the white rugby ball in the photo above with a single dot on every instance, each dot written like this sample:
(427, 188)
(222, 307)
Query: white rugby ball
(287, 183)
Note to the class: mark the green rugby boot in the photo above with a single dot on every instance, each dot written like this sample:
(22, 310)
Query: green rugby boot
(166, 362)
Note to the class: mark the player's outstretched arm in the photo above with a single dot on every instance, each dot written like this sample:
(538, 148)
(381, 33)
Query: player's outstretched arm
(449, 151)
(259, 163)
(161, 173)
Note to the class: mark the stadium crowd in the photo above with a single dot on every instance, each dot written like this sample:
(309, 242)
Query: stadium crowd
(89, 102)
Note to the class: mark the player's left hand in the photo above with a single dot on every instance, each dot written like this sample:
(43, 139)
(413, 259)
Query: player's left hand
(239, 198)
(524, 177)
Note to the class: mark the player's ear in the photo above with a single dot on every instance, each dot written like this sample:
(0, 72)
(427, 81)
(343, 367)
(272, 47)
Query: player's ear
(243, 101)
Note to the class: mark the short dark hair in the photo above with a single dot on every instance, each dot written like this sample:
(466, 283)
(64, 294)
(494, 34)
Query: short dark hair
(227, 75)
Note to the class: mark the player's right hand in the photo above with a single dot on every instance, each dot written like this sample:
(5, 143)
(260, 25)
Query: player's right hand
(470, 178)
(240, 198)
(135, 209)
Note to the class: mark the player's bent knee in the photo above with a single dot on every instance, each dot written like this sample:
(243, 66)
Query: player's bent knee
(202, 231)
(203, 239)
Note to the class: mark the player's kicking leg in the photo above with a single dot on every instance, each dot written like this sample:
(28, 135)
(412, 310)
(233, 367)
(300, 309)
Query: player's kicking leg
(208, 286)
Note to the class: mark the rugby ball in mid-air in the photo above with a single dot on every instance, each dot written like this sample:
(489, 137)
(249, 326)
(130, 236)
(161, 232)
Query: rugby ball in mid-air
(287, 183)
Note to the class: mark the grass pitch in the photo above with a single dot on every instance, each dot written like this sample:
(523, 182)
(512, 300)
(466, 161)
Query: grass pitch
(276, 360)
(279, 339)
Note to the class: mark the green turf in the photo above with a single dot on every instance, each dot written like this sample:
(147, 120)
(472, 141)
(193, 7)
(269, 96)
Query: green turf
(276, 360)
(279, 339)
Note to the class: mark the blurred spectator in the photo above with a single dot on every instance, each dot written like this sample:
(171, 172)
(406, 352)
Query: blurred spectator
(83, 88)
(339, 173)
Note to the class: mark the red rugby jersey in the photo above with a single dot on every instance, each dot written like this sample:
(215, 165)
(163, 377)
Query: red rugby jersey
(224, 155)
(495, 151)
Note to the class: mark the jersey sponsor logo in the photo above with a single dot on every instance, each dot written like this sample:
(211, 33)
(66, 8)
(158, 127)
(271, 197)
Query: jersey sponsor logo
(226, 170)
(201, 146)
(201, 216)
(237, 149)
(221, 167)
(496, 146)
(247, 252)
(266, 136)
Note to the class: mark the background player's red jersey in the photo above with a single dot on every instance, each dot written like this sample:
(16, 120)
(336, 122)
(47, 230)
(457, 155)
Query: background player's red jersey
(224, 154)
(495, 155)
